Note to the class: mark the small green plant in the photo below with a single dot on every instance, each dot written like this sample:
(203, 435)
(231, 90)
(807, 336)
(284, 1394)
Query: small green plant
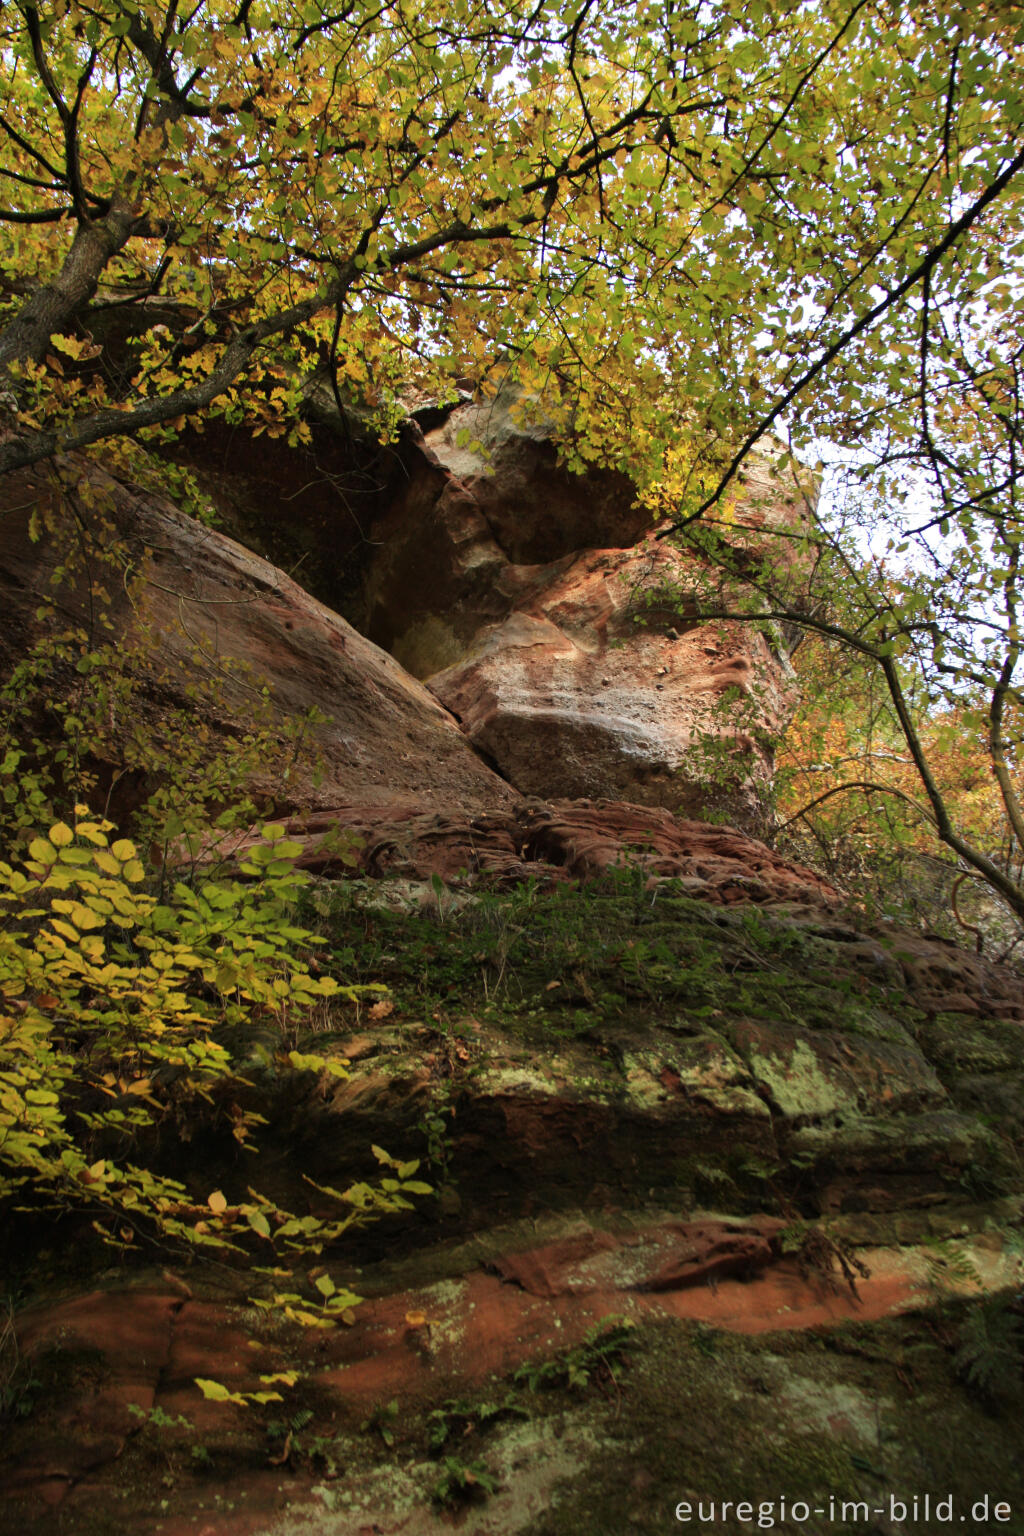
(948, 1269)
(462, 1481)
(159, 1419)
(601, 1357)
(990, 1346)
(437, 885)
(435, 1126)
(292, 1446)
(331, 1305)
(382, 1420)
(458, 1417)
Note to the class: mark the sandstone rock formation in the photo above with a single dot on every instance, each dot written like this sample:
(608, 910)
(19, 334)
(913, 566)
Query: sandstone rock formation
(550, 843)
(206, 627)
(587, 690)
(640, 1195)
(569, 652)
(704, 1300)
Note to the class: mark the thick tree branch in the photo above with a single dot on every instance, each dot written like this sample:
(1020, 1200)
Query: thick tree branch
(26, 337)
(22, 450)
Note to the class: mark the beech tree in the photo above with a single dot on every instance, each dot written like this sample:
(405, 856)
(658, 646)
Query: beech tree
(674, 218)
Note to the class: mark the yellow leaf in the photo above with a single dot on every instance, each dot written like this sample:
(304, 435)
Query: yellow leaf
(213, 1391)
(61, 836)
(83, 916)
(217, 1202)
(93, 832)
(69, 345)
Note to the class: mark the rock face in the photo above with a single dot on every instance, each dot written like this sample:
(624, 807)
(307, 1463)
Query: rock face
(699, 1172)
(586, 690)
(676, 1306)
(693, 1302)
(550, 843)
(211, 626)
(569, 652)
(482, 496)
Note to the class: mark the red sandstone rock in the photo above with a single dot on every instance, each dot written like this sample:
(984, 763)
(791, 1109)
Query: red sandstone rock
(716, 863)
(476, 1327)
(567, 840)
(576, 670)
(667, 1258)
(224, 623)
(573, 660)
(585, 690)
(944, 978)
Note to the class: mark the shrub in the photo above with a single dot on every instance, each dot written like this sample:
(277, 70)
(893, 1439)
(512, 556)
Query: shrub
(114, 1007)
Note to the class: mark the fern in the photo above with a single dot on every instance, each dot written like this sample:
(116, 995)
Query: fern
(990, 1351)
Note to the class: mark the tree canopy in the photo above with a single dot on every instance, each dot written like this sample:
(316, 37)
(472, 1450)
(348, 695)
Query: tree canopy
(677, 218)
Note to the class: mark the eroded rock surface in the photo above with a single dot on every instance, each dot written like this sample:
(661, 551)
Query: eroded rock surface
(585, 689)
(496, 1363)
(737, 1128)
(212, 626)
(570, 652)
(566, 840)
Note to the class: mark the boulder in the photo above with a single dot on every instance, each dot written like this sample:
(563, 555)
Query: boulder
(564, 634)
(587, 690)
(216, 641)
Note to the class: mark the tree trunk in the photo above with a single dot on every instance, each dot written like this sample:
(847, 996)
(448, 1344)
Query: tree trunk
(26, 338)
